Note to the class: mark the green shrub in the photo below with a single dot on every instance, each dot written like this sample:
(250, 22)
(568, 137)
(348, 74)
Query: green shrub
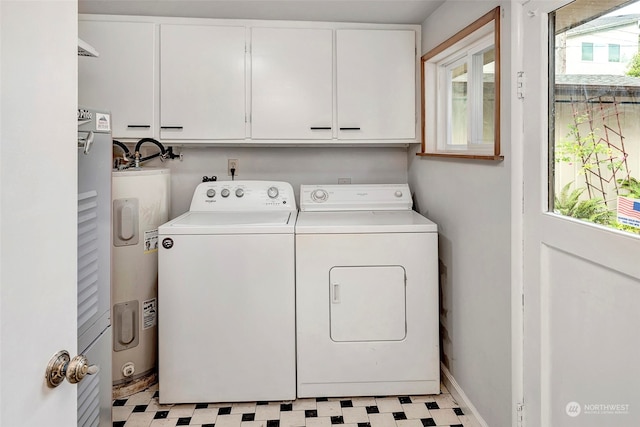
(592, 210)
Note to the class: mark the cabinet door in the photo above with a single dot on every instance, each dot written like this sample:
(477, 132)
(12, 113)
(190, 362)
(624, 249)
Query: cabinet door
(376, 84)
(122, 78)
(291, 83)
(202, 82)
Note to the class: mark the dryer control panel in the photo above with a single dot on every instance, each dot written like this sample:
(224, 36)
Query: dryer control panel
(216, 196)
(355, 197)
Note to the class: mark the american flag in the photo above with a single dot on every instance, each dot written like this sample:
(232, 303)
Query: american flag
(629, 211)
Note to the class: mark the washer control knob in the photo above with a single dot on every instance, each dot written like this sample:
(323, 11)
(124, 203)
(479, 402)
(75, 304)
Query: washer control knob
(398, 193)
(224, 192)
(211, 192)
(319, 195)
(239, 192)
(273, 192)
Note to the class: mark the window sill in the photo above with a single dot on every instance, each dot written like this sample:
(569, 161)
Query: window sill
(463, 156)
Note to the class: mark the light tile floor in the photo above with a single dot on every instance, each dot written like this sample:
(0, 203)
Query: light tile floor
(143, 410)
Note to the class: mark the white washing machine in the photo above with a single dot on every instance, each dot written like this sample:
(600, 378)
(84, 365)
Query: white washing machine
(226, 295)
(366, 293)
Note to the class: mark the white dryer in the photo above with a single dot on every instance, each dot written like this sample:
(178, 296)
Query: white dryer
(226, 295)
(366, 293)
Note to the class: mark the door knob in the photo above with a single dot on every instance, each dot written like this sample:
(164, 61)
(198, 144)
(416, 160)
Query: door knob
(61, 366)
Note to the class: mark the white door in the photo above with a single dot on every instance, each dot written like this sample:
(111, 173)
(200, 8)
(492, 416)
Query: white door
(581, 285)
(38, 82)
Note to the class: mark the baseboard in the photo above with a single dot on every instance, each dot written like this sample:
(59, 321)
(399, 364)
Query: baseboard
(472, 418)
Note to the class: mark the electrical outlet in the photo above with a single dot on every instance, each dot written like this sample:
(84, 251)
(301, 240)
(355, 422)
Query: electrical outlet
(344, 180)
(232, 164)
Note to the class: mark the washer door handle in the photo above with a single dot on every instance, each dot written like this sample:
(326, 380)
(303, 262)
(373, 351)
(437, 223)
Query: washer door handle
(335, 298)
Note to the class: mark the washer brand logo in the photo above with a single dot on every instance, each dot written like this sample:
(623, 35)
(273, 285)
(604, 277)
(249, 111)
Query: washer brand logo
(167, 243)
(573, 409)
(362, 194)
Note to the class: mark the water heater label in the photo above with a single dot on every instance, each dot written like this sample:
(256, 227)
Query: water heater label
(103, 122)
(149, 313)
(150, 241)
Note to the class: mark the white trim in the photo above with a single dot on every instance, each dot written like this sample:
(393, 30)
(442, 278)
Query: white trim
(471, 56)
(474, 419)
(268, 23)
(517, 210)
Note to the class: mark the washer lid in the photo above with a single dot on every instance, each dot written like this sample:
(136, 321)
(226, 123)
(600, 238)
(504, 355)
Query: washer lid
(363, 222)
(272, 222)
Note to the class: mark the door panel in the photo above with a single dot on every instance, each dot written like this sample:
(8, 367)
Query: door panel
(38, 200)
(589, 311)
(580, 281)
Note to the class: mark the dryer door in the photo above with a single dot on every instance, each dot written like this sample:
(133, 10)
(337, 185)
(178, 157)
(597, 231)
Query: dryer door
(367, 303)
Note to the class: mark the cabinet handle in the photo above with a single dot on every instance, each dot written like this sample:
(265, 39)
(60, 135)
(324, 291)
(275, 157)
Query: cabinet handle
(171, 127)
(138, 126)
(349, 128)
(320, 128)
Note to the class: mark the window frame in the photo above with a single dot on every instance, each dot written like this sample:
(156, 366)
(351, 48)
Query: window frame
(595, 143)
(476, 38)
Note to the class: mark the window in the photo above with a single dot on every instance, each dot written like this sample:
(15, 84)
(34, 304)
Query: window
(614, 53)
(468, 98)
(587, 51)
(461, 93)
(594, 116)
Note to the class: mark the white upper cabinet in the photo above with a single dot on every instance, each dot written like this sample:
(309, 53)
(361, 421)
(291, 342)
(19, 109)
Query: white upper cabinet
(376, 96)
(197, 81)
(122, 78)
(291, 83)
(202, 82)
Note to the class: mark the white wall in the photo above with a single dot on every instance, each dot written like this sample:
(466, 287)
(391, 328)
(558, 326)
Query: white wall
(296, 165)
(470, 202)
